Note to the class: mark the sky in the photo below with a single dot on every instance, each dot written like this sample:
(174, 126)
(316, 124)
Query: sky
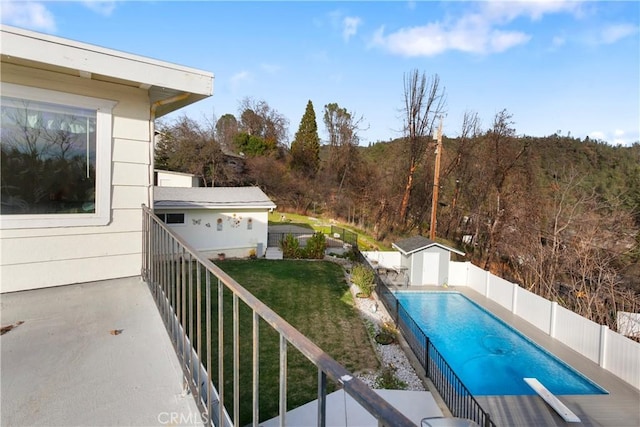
(566, 67)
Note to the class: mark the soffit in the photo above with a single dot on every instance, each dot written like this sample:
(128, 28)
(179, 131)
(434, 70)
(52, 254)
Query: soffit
(164, 81)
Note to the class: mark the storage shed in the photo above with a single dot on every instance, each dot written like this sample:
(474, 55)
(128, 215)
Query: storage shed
(215, 220)
(425, 262)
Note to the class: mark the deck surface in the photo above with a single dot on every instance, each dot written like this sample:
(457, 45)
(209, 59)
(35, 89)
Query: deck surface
(64, 366)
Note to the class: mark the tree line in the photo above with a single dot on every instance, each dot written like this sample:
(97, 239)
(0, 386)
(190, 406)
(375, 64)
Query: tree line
(556, 214)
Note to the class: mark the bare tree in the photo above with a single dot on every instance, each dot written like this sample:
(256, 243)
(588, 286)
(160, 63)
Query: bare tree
(342, 129)
(504, 153)
(460, 167)
(259, 119)
(424, 102)
(188, 146)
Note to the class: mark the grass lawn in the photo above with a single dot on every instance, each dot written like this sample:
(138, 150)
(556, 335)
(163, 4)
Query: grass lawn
(365, 241)
(314, 297)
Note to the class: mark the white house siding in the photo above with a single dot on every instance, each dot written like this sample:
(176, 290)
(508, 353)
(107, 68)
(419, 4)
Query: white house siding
(44, 257)
(235, 240)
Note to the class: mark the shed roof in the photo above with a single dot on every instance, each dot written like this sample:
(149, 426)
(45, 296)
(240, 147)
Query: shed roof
(211, 198)
(174, 173)
(419, 243)
(170, 86)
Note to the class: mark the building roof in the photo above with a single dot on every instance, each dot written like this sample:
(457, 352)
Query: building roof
(174, 173)
(170, 86)
(419, 243)
(211, 198)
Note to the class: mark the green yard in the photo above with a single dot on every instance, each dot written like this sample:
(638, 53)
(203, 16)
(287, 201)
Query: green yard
(365, 241)
(314, 297)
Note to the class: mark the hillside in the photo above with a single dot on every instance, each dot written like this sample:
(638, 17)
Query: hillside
(559, 215)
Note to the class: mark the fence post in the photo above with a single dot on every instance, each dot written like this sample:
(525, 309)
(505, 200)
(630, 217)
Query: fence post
(552, 326)
(514, 299)
(426, 356)
(602, 359)
(486, 285)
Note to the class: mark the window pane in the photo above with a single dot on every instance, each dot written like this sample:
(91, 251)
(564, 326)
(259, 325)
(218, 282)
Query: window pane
(175, 218)
(48, 158)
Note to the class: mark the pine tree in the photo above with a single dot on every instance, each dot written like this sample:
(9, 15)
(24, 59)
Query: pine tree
(305, 148)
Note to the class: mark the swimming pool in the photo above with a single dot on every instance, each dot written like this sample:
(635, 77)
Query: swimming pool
(490, 357)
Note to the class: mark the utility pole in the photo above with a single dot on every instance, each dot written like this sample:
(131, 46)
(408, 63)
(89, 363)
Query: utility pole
(436, 183)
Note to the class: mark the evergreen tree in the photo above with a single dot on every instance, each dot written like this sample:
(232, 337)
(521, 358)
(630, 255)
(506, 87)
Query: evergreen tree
(305, 148)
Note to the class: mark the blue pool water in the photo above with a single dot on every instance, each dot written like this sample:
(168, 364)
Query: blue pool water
(489, 356)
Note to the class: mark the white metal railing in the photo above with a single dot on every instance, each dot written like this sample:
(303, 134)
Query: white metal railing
(186, 287)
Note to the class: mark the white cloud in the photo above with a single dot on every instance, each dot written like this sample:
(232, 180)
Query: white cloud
(347, 25)
(621, 137)
(503, 11)
(596, 134)
(27, 14)
(468, 35)
(239, 78)
(481, 31)
(558, 41)
(617, 137)
(504, 40)
(615, 32)
(102, 7)
(350, 26)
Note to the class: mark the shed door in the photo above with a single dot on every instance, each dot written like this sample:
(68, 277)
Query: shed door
(430, 267)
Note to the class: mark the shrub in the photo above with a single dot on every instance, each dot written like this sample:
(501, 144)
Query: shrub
(316, 246)
(350, 255)
(290, 247)
(363, 278)
(388, 379)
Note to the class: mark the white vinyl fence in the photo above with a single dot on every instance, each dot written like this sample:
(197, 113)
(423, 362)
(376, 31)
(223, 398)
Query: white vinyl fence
(384, 259)
(610, 350)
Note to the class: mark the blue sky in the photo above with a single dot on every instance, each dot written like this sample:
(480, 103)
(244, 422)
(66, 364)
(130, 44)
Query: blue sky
(568, 66)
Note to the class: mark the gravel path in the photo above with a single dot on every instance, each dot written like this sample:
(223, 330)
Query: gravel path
(391, 355)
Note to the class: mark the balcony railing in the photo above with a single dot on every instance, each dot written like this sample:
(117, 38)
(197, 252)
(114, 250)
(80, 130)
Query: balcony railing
(188, 288)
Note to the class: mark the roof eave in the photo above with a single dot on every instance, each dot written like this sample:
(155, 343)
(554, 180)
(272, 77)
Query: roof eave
(426, 247)
(393, 245)
(159, 204)
(176, 84)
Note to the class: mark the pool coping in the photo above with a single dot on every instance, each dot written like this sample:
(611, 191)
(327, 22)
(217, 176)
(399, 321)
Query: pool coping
(619, 408)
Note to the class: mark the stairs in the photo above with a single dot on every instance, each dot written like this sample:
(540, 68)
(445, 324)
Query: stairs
(273, 253)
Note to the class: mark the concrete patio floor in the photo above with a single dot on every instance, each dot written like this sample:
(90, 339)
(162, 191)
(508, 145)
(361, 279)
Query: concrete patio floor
(64, 367)
(342, 410)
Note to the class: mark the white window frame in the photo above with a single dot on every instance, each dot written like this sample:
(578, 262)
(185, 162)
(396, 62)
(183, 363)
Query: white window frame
(103, 108)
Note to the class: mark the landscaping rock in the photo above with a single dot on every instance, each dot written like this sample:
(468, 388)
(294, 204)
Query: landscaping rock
(390, 355)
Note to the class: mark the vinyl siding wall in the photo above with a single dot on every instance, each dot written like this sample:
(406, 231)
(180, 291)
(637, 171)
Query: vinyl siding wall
(44, 257)
(235, 239)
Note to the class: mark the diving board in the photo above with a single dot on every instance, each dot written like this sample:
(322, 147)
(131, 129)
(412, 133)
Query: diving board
(553, 401)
